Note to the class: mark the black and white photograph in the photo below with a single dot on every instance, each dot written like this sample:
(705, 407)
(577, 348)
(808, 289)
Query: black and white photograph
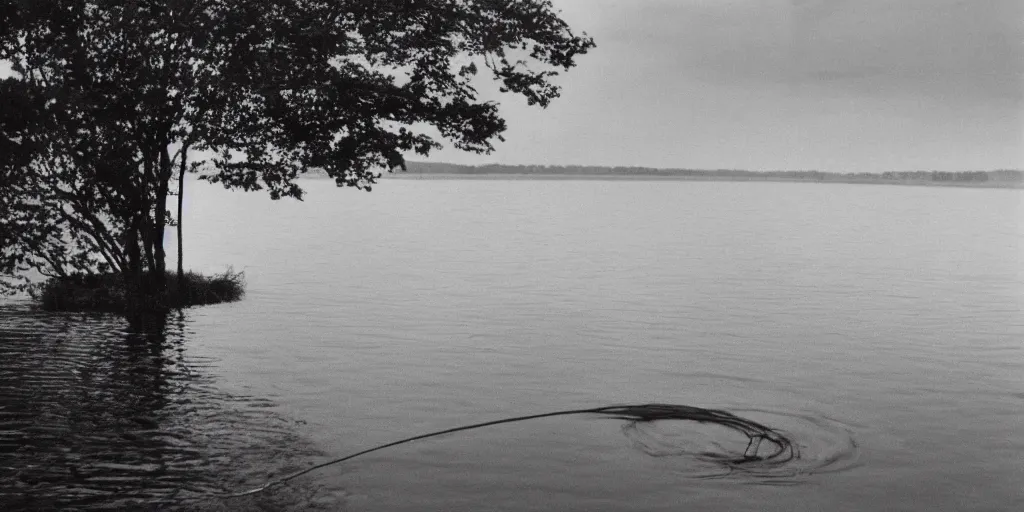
(512, 255)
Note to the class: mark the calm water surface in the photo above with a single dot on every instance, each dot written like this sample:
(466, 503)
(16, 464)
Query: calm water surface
(880, 327)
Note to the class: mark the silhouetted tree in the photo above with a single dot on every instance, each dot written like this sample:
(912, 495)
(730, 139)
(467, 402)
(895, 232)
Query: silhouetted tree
(114, 97)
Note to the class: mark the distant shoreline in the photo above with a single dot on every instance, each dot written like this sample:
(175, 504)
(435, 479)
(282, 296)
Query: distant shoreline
(412, 175)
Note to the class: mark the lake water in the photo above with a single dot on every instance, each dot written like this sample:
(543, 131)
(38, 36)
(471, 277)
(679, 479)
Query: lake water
(879, 327)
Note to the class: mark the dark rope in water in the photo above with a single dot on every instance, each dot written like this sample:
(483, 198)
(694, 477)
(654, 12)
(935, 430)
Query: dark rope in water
(756, 432)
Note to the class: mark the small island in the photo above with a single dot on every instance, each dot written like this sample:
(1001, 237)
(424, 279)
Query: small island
(108, 293)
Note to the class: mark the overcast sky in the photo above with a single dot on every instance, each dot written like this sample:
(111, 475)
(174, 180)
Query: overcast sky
(839, 85)
(834, 85)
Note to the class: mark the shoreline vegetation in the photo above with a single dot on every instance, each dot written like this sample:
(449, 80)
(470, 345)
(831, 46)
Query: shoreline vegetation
(975, 179)
(105, 293)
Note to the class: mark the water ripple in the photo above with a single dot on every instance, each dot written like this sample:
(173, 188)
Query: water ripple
(95, 417)
(818, 445)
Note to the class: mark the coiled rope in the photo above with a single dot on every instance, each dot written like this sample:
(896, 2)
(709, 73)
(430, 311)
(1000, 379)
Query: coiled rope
(756, 433)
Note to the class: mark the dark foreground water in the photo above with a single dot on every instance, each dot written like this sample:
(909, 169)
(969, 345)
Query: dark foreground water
(879, 328)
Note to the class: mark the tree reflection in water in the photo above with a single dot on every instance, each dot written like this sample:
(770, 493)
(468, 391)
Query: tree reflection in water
(96, 414)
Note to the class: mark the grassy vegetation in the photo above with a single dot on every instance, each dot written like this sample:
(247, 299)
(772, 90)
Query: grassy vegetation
(106, 292)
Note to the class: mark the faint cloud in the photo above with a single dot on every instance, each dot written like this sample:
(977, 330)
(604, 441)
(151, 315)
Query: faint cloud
(948, 49)
(816, 10)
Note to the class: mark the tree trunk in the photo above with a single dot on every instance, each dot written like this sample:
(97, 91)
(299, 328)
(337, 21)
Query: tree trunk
(181, 195)
(160, 222)
(145, 220)
(133, 274)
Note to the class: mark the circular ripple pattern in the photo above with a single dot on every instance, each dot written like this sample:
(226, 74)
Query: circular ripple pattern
(814, 445)
(821, 444)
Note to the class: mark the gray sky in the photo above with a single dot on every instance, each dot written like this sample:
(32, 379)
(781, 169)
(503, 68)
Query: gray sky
(838, 85)
(834, 85)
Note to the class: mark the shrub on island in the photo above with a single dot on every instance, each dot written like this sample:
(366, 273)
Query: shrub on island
(105, 293)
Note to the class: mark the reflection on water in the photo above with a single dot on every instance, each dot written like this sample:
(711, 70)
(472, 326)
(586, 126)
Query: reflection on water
(95, 416)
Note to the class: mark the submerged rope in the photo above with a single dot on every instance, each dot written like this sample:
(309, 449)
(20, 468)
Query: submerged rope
(755, 432)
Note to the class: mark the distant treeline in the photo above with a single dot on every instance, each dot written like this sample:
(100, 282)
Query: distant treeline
(998, 176)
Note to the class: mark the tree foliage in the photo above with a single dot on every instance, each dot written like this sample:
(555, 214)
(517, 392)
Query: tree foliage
(112, 97)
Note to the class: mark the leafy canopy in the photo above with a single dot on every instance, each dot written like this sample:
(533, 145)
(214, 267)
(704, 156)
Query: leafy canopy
(110, 97)
(279, 86)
